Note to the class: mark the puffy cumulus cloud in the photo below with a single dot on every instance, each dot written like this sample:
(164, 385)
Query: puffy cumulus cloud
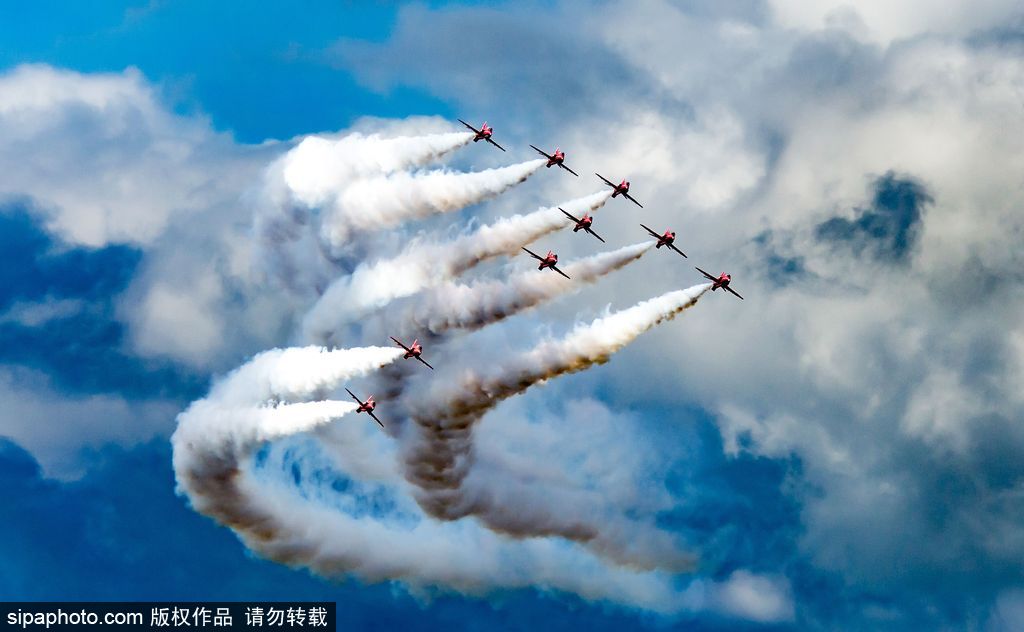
(885, 22)
(859, 173)
(61, 430)
(753, 597)
(106, 162)
(105, 156)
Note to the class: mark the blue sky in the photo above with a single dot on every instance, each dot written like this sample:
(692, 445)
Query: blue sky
(849, 433)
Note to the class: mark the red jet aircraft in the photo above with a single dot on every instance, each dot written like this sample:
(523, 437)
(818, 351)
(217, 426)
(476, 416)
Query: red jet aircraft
(722, 281)
(484, 133)
(582, 224)
(366, 407)
(665, 240)
(412, 352)
(557, 159)
(549, 261)
(621, 188)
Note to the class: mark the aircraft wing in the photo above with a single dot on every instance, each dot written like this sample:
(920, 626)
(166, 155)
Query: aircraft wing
(399, 343)
(611, 184)
(358, 401)
(630, 198)
(555, 268)
(370, 413)
(562, 165)
(734, 292)
(495, 144)
(533, 254)
(653, 234)
(706, 274)
(594, 234)
(425, 362)
(469, 126)
(673, 247)
(566, 213)
(539, 151)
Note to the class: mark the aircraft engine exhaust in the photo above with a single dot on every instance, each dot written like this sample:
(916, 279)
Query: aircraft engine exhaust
(456, 306)
(439, 456)
(421, 265)
(385, 201)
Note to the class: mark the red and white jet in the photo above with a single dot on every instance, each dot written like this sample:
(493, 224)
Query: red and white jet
(722, 281)
(550, 261)
(665, 240)
(366, 407)
(412, 352)
(484, 133)
(583, 223)
(557, 159)
(621, 188)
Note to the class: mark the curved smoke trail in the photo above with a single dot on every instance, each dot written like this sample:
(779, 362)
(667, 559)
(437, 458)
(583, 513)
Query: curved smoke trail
(214, 447)
(421, 265)
(439, 456)
(321, 192)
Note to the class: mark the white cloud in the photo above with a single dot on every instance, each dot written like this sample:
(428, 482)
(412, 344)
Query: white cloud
(884, 21)
(754, 597)
(105, 156)
(59, 430)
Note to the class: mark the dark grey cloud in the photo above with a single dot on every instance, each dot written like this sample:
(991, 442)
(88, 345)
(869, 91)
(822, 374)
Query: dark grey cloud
(888, 228)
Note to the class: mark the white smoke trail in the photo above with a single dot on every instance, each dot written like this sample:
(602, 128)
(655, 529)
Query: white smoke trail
(297, 373)
(439, 456)
(216, 433)
(319, 169)
(320, 193)
(214, 466)
(385, 201)
(421, 265)
(312, 175)
(456, 306)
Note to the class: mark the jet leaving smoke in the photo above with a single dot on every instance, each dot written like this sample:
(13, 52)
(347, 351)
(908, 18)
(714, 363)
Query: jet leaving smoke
(217, 433)
(386, 201)
(318, 195)
(456, 306)
(214, 446)
(320, 169)
(312, 175)
(440, 456)
(421, 265)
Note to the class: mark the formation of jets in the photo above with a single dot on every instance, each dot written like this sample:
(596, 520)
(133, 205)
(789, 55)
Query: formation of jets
(550, 261)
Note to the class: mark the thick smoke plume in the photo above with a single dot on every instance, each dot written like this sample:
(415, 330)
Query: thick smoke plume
(214, 466)
(456, 306)
(386, 201)
(250, 406)
(373, 285)
(440, 456)
(314, 199)
(319, 169)
(311, 176)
